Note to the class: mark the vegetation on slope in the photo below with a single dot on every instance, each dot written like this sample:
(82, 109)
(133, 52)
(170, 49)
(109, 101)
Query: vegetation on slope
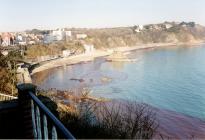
(89, 119)
(8, 72)
(52, 49)
(184, 32)
(111, 121)
(153, 33)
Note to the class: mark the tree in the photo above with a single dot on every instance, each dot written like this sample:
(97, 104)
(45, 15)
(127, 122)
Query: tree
(8, 73)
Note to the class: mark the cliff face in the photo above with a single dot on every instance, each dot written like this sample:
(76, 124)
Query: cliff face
(168, 32)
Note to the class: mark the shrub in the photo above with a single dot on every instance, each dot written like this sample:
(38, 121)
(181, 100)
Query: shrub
(111, 120)
(8, 73)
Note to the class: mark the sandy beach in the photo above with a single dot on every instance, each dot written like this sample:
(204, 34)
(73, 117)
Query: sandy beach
(71, 60)
(100, 53)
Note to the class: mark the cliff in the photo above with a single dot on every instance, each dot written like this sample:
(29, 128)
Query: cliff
(167, 32)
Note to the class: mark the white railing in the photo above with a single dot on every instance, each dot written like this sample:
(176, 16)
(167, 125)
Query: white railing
(42, 118)
(6, 97)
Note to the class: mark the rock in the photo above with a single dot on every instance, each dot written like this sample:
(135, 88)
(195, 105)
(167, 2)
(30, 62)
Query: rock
(80, 80)
(106, 79)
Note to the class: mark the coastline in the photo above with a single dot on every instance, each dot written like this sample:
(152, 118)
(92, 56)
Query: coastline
(101, 53)
(176, 125)
(71, 60)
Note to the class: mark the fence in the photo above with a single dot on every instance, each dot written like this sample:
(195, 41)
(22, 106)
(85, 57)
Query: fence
(5, 97)
(44, 124)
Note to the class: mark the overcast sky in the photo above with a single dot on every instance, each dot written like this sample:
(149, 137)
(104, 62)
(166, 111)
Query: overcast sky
(17, 15)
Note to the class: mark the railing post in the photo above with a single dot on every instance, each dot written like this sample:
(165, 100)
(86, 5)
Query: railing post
(45, 127)
(25, 108)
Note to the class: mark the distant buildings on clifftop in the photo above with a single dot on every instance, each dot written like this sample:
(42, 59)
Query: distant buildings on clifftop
(38, 37)
(19, 38)
(46, 37)
(161, 26)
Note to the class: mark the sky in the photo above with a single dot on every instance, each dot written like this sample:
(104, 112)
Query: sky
(19, 15)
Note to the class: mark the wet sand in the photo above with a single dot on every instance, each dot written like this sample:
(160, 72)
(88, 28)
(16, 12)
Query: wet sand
(179, 126)
(174, 125)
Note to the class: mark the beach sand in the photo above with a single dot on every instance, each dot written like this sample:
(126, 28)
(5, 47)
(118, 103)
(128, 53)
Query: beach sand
(100, 53)
(71, 60)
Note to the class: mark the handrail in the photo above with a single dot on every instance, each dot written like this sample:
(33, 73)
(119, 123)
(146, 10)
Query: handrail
(8, 96)
(47, 112)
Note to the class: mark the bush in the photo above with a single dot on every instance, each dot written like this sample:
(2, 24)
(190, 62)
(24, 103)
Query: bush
(8, 73)
(108, 120)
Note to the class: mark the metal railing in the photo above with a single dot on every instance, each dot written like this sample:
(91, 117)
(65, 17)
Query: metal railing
(5, 97)
(45, 124)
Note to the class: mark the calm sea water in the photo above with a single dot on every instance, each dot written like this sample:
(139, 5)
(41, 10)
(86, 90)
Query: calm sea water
(171, 78)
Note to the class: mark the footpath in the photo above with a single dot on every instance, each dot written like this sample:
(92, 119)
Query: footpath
(23, 76)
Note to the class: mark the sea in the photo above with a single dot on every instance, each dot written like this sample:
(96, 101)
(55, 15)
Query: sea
(170, 79)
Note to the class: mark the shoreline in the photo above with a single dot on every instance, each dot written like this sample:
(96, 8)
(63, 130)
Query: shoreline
(71, 60)
(168, 120)
(177, 125)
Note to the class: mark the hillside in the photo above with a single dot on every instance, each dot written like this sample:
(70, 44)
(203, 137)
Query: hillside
(167, 32)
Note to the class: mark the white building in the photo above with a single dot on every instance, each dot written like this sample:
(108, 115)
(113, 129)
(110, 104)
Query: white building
(23, 43)
(59, 34)
(68, 33)
(81, 36)
(6, 41)
(168, 25)
(89, 48)
(19, 38)
(139, 28)
(31, 42)
(66, 53)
